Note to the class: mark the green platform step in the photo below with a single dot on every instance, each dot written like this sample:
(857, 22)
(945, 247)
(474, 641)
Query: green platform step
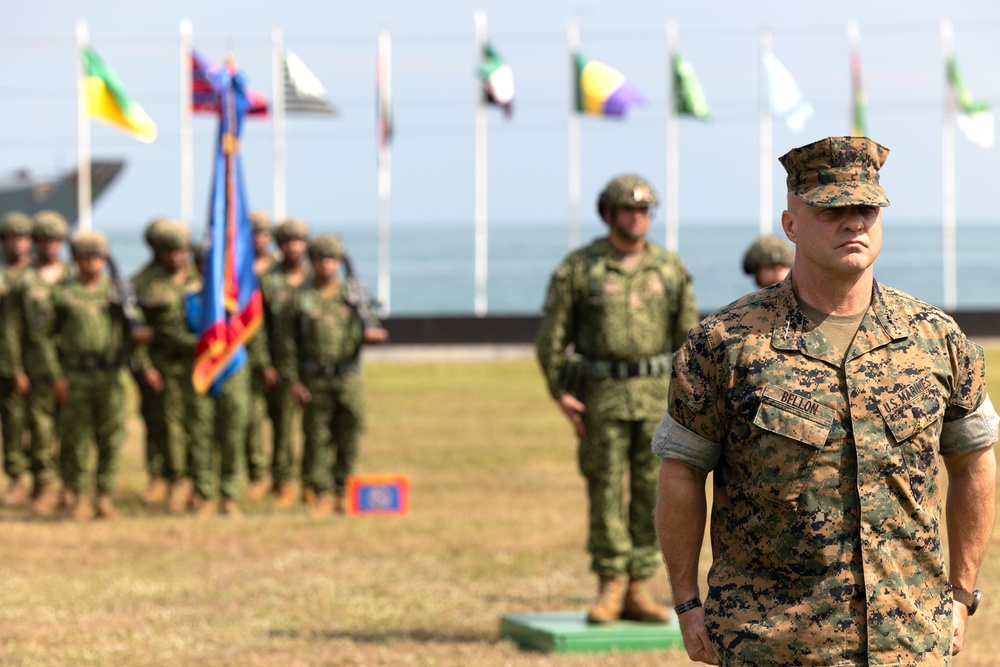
(569, 632)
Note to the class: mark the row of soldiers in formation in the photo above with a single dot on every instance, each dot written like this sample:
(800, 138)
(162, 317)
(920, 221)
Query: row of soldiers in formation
(68, 331)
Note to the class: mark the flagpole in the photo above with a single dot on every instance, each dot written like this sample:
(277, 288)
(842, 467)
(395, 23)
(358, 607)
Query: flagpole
(672, 192)
(481, 182)
(384, 173)
(573, 141)
(853, 47)
(187, 125)
(279, 205)
(765, 145)
(83, 194)
(948, 214)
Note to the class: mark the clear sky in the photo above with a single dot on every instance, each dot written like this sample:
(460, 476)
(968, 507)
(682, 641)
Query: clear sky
(331, 163)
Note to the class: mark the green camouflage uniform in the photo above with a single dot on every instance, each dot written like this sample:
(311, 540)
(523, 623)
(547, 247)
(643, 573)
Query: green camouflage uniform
(219, 423)
(277, 296)
(829, 552)
(319, 346)
(42, 410)
(16, 460)
(259, 360)
(84, 338)
(622, 327)
(150, 402)
(171, 352)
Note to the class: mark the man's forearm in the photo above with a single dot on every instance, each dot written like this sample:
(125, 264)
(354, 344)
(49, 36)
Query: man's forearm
(971, 508)
(680, 525)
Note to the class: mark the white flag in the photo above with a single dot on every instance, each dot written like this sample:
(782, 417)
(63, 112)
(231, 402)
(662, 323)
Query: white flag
(303, 91)
(785, 98)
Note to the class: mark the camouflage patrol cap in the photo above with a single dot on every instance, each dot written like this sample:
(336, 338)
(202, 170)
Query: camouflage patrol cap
(837, 171)
(89, 243)
(260, 221)
(292, 228)
(626, 190)
(171, 235)
(326, 245)
(15, 223)
(767, 251)
(49, 225)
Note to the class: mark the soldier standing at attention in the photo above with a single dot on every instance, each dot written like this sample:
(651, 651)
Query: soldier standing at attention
(768, 260)
(15, 235)
(277, 288)
(167, 361)
(260, 382)
(615, 311)
(150, 401)
(824, 404)
(84, 340)
(322, 332)
(49, 233)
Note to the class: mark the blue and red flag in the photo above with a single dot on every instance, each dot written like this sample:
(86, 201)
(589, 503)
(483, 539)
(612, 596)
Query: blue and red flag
(231, 309)
(205, 97)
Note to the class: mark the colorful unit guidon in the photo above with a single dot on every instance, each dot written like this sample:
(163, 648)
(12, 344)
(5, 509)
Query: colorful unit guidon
(369, 495)
(603, 90)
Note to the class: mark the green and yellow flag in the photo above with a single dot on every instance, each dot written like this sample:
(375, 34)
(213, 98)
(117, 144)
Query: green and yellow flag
(108, 100)
(689, 98)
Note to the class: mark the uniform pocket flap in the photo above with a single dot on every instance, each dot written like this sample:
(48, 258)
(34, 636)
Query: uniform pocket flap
(794, 416)
(913, 408)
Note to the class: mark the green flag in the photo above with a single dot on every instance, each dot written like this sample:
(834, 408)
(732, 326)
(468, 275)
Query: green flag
(974, 117)
(689, 98)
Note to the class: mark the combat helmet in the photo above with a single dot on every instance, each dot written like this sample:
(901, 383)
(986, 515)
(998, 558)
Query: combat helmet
(626, 190)
(89, 243)
(260, 221)
(15, 223)
(767, 251)
(170, 235)
(292, 228)
(326, 245)
(49, 225)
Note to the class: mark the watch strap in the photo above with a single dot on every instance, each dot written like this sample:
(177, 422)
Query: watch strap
(969, 599)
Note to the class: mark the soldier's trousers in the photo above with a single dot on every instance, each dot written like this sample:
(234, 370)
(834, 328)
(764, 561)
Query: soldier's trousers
(254, 446)
(332, 423)
(15, 457)
(42, 413)
(219, 423)
(151, 411)
(606, 452)
(284, 412)
(170, 421)
(92, 413)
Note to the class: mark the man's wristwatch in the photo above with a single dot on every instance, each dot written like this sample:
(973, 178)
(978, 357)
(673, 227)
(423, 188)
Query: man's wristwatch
(970, 600)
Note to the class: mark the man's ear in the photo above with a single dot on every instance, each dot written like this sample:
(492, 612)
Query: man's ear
(788, 223)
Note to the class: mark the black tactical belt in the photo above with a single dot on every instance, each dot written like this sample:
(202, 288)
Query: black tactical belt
(90, 362)
(600, 369)
(313, 370)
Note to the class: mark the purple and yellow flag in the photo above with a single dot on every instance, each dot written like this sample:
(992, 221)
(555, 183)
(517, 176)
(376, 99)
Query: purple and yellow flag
(231, 309)
(603, 90)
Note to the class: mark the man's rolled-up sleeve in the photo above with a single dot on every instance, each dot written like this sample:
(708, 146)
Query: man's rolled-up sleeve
(673, 441)
(973, 432)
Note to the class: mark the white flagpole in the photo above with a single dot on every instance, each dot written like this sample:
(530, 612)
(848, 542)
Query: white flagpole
(481, 182)
(187, 126)
(766, 131)
(384, 174)
(948, 216)
(84, 199)
(853, 46)
(279, 205)
(671, 205)
(573, 141)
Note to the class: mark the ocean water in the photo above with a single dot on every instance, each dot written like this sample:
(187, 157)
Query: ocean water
(432, 265)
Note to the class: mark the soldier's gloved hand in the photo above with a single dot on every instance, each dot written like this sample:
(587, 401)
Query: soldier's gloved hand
(60, 386)
(574, 409)
(22, 385)
(153, 380)
(271, 378)
(301, 394)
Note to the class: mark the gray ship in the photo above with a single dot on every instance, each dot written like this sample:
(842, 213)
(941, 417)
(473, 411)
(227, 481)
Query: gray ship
(30, 193)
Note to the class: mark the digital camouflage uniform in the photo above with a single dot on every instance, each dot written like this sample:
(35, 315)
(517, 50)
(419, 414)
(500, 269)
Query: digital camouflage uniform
(12, 405)
(85, 338)
(254, 448)
(826, 524)
(320, 345)
(218, 427)
(829, 550)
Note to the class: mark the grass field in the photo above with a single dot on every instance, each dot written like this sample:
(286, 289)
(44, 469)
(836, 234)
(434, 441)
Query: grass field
(496, 526)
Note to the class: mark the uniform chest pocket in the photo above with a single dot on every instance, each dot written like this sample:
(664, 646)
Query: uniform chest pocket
(913, 408)
(794, 430)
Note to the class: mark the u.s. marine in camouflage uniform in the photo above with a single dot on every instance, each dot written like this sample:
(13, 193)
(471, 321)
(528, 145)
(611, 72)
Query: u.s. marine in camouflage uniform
(15, 235)
(319, 345)
(823, 404)
(620, 306)
(48, 233)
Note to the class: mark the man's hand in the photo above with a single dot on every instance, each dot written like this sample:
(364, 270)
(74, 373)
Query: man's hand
(696, 637)
(142, 334)
(153, 380)
(959, 621)
(375, 335)
(272, 380)
(22, 385)
(301, 394)
(60, 386)
(574, 410)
